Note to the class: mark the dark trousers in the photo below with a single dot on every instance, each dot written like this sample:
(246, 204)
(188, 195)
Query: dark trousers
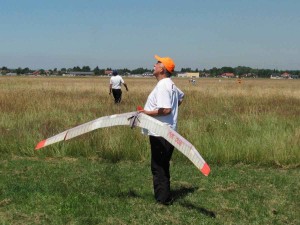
(161, 153)
(117, 93)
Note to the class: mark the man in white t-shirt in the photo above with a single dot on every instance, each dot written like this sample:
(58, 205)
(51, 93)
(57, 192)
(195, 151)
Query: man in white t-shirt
(162, 103)
(115, 86)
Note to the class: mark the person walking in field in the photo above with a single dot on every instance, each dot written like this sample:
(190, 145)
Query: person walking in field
(162, 103)
(115, 86)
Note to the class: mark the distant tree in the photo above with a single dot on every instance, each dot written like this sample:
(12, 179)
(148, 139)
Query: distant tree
(96, 70)
(124, 71)
(214, 71)
(240, 70)
(264, 73)
(139, 71)
(227, 69)
(296, 72)
(42, 72)
(102, 72)
(254, 71)
(19, 70)
(25, 70)
(4, 70)
(76, 68)
(186, 70)
(86, 69)
(55, 71)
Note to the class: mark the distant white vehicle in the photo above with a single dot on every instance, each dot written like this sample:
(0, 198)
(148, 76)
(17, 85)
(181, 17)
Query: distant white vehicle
(147, 74)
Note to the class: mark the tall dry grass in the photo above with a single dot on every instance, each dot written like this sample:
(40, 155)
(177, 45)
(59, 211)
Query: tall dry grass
(257, 121)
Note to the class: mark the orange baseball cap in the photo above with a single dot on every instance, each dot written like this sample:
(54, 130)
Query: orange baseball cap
(167, 61)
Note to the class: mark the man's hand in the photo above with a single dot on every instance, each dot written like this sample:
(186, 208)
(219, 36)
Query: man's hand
(140, 108)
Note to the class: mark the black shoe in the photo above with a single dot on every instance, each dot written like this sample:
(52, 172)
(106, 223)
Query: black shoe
(167, 202)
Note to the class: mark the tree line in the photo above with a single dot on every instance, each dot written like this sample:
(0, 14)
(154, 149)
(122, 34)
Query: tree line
(213, 72)
(241, 70)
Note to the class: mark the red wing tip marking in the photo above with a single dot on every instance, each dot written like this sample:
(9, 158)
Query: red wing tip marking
(205, 169)
(138, 108)
(40, 144)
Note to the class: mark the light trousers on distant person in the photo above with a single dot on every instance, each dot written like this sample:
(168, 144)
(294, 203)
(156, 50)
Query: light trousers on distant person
(161, 153)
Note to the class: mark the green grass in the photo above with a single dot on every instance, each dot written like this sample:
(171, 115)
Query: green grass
(256, 122)
(249, 134)
(91, 191)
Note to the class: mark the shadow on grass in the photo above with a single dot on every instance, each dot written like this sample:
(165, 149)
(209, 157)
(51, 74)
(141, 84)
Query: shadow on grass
(182, 192)
(179, 194)
(199, 209)
(129, 194)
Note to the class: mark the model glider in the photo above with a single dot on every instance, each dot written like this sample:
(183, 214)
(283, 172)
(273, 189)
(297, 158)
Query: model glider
(134, 119)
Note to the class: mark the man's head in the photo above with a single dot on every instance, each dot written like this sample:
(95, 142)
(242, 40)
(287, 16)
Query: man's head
(164, 65)
(115, 72)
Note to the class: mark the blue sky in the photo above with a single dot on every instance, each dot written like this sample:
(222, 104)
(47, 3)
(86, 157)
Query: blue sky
(127, 33)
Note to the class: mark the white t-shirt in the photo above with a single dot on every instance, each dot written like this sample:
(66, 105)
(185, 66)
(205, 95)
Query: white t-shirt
(164, 95)
(116, 82)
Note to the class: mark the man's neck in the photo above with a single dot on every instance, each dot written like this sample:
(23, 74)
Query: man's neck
(161, 76)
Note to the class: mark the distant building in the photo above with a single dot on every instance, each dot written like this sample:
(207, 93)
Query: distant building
(285, 75)
(192, 74)
(189, 74)
(228, 75)
(147, 74)
(253, 75)
(79, 73)
(108, 72)
(37, 72)
(275, 76)
(205, 74)
(181, 74)
(11, 74)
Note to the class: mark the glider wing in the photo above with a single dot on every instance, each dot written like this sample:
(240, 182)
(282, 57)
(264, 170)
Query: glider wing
(175, 139)
(135, 119)
(106, 121)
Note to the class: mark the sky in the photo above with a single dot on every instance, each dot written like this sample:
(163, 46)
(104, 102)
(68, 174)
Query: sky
(197, 34)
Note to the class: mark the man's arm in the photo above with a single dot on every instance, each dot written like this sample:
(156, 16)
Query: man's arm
(157, 112)
(125, 85)
(180, 101)
(110, 88)
(180, 96)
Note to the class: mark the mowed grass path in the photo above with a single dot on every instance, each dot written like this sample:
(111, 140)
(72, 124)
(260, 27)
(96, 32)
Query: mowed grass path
(92, 191)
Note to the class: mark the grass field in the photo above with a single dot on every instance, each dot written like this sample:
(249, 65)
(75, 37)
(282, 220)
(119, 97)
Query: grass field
(249, 133)
(81, 191)
(254, 122)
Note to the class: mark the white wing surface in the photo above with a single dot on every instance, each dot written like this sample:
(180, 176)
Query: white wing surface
(106, 121)
(175, 139)
(134, 119)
